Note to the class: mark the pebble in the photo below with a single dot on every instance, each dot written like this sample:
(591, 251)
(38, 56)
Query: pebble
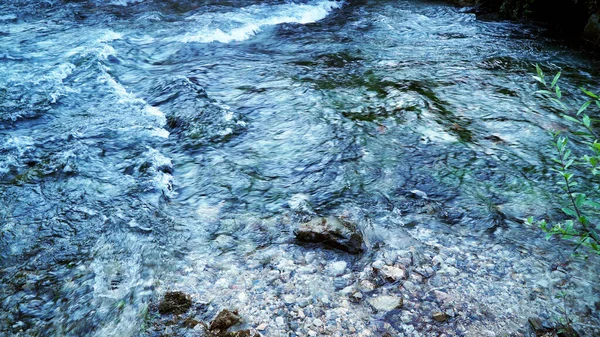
(336, 268)
(288, 298)
(378, 264)
(367, 286)
(385, 302)
(392, 274)
(439, 316)
(279, 320)
(262, 326)
(357, 296)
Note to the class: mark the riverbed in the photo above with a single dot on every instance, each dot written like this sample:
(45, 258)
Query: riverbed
(154, 146)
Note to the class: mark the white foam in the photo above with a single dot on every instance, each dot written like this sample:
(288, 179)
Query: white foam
(242, 25)
(110, 36)
(124, 2)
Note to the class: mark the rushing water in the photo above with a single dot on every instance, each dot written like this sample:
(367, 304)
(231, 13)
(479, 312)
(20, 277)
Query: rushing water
(153, 145)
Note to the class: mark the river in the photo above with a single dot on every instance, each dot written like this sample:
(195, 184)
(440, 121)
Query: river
(149, 146)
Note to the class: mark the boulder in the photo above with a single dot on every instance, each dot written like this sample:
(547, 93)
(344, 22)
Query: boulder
(332, 232)
(591, 32)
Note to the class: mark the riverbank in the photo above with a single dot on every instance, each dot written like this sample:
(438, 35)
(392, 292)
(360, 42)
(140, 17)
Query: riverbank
(570, 18)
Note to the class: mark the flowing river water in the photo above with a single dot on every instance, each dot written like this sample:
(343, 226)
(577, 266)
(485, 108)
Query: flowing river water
(148, 146)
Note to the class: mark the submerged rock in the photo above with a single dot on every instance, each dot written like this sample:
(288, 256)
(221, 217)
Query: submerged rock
(224, 320)
(174, 302)
(392, 273)
(591, 31)
(439, 316)
(386, 303)
(332, 232)
(541, 329)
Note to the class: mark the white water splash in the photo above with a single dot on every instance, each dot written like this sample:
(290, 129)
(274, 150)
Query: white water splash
(247, 22)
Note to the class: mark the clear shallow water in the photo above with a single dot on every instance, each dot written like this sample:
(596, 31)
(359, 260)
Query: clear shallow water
(157, 145)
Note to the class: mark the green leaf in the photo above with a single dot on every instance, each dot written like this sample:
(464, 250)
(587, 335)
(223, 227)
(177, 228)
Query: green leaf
(572, 119)
(558, 92)
(586, 120)
(556, 77)
(530, 220)
(589, 93)
(559, 103)
(569, 163)
(539, 71)
(544, 92)
(591, 203)
(584, 106)
(560, 145)
(579, 200)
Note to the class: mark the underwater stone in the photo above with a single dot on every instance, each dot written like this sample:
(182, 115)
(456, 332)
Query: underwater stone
(224, 320)
(439, 316)
(392, 274)
(336, 268)
(174, 302)
(332, 232)
(386, 303)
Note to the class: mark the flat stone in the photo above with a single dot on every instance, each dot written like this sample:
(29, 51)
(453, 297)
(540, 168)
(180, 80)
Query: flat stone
(392, 274)
(386, 303)
(262, 326)
(332, 232)
(336, 268)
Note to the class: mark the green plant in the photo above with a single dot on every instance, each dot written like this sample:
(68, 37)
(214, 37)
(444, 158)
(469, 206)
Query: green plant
(581, 208)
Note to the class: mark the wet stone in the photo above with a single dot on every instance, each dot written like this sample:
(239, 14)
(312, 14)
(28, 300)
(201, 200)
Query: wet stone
(386, 303)
(392, 274)
(174, 302)
(439, 316)
(543, 329)
(332, 232)
(224, 320)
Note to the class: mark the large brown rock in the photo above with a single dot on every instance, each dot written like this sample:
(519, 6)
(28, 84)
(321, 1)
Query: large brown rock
(332, 232)
(174, 302)
(224, 320)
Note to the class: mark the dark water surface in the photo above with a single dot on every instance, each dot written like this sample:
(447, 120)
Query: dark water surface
(144, 145)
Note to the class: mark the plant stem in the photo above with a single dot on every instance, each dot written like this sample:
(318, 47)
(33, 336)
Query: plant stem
(587, 229)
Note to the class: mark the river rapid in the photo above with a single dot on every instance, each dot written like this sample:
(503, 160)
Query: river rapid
(150, 146)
